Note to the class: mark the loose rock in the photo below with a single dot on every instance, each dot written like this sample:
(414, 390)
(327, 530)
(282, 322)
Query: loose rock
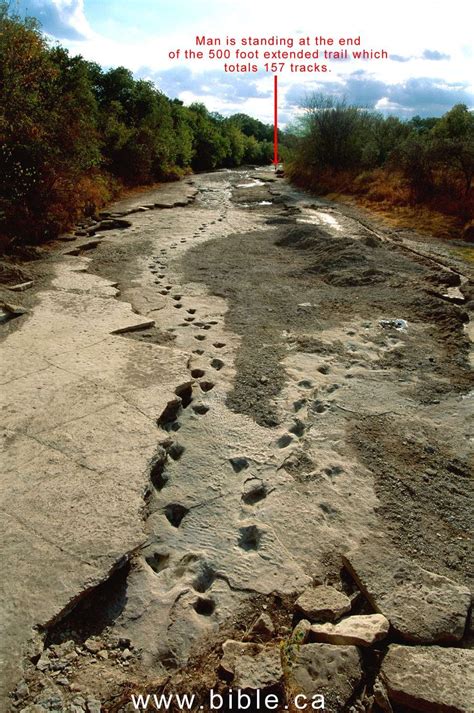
(323, 603)
(252, 666)
(353, 631)
(421, 606)
(331, 671)
(430, 678)
(93, 646)
(263, 627)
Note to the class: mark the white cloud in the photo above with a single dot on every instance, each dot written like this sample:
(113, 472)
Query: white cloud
(433, 40)
(63, 19)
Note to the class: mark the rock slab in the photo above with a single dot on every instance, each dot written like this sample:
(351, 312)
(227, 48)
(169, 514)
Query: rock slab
(353, 631)
(331, 671)
(323, 603)
(422, 607)
(252, 666)
(430, 678)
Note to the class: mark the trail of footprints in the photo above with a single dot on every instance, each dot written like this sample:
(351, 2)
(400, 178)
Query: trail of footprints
(190, 401)
(187, 398)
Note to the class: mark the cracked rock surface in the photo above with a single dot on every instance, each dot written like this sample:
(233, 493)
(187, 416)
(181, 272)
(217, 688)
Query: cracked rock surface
(232, 413)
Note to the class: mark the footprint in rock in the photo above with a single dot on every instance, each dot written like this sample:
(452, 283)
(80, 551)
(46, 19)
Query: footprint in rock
(175, 512)
(189, 319)
(206, 385)
(204, 606)
(191, 310)
(239, 464)
(298, 428)
(158, 561)
(324, 369)
(254, 492)
(305, 384)
(333, 471)
(163, 292)
(199, 337)
(217, 364)
(200, 409)
(158, 476)
(197, 373)
(206, 326)
(219, 345)
(249, 538)
(318, 407)
(177, 297)
(284, 441)
(198, 351)
(175, 451)
(185, 393)
(178, 305)
(298, 405)
(205, 578)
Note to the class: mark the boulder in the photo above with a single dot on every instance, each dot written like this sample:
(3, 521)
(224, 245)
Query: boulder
(353, 631)
(251, 666)
(263, 627)
(429, 678)
(323, 603)
(422, 607)
(334, 672)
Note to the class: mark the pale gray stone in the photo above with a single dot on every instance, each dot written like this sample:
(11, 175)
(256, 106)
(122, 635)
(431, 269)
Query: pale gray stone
(421, 606)
(430, 678)
(323, 669)
(252, 666)
(362, 630)
(323, 603)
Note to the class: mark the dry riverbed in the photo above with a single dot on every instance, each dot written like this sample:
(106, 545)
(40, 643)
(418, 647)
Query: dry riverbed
(238, 442)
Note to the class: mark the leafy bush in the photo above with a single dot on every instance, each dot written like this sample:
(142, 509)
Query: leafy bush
(344, 148)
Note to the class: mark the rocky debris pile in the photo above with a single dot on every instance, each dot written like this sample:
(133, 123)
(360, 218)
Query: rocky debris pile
(337, 647)
(342, 651)
(59, 680)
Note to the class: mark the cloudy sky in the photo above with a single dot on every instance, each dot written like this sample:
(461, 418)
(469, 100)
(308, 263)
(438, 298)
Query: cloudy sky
(430, 65)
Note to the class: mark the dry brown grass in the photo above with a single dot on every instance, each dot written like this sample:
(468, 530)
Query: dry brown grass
(388, 194)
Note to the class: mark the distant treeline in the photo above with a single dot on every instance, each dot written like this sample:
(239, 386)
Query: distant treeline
(72, 136)
(424, 161)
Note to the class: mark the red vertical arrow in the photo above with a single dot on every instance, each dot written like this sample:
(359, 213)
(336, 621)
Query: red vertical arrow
(275, 121)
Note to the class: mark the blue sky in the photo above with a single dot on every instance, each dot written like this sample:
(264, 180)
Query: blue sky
(431, 64)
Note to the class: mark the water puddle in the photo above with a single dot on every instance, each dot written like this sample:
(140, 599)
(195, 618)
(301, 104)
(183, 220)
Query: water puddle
(253, 205)
(257, 182)
(320, 218)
